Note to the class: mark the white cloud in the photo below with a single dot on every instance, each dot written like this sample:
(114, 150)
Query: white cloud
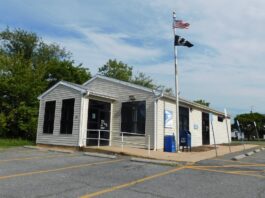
(226, 66)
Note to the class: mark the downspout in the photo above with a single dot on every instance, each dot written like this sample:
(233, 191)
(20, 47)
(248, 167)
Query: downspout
(82, 130)
(155, 125)
(155, 119)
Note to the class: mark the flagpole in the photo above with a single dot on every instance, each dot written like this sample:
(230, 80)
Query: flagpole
(176, 86)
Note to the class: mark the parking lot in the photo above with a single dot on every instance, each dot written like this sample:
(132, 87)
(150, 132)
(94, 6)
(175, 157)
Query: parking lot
(34, 173)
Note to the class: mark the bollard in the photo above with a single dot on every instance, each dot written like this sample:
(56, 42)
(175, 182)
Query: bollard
(122, 142)
(98, 138)
(149, 146)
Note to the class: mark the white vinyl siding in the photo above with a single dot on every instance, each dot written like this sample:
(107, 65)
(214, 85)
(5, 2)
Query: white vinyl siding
(196, 127)
(220, 131)
(122, 93)
(58, 94)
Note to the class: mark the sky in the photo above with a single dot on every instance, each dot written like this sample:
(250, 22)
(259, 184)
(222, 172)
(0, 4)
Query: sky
(225, 67)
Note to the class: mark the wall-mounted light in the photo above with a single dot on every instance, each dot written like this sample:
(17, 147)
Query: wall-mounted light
(132, 98)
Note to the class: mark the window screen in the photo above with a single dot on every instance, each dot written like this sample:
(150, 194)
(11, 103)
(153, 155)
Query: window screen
(133, 117)
(67, 116)
(49, 117)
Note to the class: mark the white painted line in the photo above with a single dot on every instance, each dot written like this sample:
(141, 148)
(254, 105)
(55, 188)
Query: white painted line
(100, 155)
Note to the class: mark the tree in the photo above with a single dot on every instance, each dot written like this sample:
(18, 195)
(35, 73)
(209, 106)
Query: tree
(143, 80)
(247, 124)
(122, 71)
(28, 67)
(117, 70)
(202, 102)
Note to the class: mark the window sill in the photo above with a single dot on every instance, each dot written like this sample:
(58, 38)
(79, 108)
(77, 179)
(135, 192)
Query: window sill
(47, 133)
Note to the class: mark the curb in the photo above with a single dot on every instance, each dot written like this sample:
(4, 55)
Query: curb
(238, 157)
(263, 148)
(100, 155)
(60, 151)
(160, 162)
(31, 147)
(257, 150)
(249, 153)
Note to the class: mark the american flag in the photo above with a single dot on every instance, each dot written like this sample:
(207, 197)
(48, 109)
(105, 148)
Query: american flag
(180, 24)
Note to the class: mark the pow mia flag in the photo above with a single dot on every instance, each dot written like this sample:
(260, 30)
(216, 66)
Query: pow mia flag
(179, 41)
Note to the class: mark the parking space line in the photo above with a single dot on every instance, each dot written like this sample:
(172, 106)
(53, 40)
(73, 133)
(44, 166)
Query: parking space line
(36, 157)
(240, 162)
(59, 169)
(229, 166)
(254, 157)
(226, 172)
(235, 162)
(131, 183)
(245, 171)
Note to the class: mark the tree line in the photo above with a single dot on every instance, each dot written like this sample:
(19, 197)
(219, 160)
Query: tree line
(29, 66)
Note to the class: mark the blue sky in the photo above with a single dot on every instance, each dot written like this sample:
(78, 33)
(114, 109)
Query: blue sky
(225, 66)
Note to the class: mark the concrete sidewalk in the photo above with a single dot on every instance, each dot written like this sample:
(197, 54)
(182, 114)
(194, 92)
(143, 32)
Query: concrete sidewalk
(182, 156)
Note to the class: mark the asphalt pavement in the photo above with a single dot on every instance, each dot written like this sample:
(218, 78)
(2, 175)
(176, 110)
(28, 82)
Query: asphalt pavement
(34, 173)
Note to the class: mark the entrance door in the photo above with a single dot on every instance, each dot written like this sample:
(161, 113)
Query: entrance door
(205, 129)
(98, 122)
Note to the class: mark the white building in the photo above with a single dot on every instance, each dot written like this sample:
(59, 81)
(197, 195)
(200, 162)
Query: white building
(74, 115)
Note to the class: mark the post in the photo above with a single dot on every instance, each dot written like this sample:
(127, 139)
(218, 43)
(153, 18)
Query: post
(211, 117)
(98, 138)
(229, 140)
(242, 141)
(149, 146)
(256, 130)
(122, 141)
(176, 86)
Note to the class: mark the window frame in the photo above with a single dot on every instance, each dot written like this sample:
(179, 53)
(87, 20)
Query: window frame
(220, 118)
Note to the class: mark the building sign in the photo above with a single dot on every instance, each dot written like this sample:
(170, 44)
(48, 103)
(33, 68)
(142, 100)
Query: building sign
(168, 119)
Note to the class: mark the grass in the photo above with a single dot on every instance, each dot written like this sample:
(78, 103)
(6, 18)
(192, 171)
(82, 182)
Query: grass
(7, 143)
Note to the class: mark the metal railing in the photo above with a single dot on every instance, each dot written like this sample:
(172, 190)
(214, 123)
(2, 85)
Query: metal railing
(128, 134)
(99, 135)
(99, 138)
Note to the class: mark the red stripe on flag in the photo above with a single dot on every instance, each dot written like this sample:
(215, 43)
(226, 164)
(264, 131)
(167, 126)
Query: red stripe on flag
(180, 24)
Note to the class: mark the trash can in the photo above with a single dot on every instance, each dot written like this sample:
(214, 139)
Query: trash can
(169, 143)
(185, 140)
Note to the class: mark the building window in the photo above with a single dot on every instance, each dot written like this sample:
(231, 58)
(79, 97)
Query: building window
(133, 117)
(67, 116)
(184, 119)
(220, 119)
(49, 117)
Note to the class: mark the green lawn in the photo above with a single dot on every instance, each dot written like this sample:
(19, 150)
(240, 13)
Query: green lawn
(7, 143)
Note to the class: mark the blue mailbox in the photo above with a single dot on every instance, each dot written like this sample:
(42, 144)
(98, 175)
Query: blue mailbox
(169, 143)
(185, 139)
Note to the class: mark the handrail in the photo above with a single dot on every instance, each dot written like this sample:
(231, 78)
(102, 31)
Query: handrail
(99, 130)
(99, 135)
(129, 133)
(122, 138)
